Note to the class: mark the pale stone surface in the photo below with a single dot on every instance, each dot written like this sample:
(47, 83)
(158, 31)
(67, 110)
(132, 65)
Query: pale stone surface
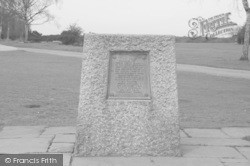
(7, 48)
(228, 160)
(210, 152)
(245, 151)
(183, 134)
(24, 145)
(143, 161)
(64, 138)
(46, 136)
(21, 131)
(214, 142)
(60, 130)
(128, 127)
(237, 132)
(207, 133)
(66, 159)
(214, 71)
(237, 164)
(161, 161)
(61, 148)
(110, 161)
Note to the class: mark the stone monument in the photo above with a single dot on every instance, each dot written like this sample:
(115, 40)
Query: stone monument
(128, 97)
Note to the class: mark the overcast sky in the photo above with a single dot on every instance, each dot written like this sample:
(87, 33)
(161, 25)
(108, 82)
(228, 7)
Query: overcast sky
(137, 16)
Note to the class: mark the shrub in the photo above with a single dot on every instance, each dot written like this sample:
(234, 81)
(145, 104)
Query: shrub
(35, 36)
(50, 38)
(67, 37)
(72, 36)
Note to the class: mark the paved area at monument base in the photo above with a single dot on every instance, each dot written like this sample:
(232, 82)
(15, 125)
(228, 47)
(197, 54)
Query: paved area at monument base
(200, 147)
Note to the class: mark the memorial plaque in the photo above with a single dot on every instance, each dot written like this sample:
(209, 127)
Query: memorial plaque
(129, 75)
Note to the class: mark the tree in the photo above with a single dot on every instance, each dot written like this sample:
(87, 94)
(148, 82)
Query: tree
(244, 56)
(1, 19)
(72, 35)
(34, 12)
(240, 35)
(8, 12)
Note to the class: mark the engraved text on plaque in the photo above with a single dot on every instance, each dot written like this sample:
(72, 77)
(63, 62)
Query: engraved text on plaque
(129, 75)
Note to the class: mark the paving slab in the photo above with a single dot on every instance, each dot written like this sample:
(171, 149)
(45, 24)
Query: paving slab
(228, 160)
(46, 136)
(183, 134)
(163, 161)
(59, 130)
(245, 151)
(206, 133)
(65, 138)
(61, 148)
(237, 164)
(214, 142)
(24, 145)
(143, 161)
(66, 159)
(21, 131)
(210, 152)
(237, 132)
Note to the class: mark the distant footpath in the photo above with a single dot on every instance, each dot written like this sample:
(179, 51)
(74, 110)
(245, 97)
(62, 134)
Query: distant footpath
(185, 39)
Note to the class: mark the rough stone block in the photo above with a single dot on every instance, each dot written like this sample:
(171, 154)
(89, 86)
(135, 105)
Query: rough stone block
(128, 127)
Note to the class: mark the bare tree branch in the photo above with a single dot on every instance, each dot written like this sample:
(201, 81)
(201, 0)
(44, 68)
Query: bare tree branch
(34, 12)
(245, 5)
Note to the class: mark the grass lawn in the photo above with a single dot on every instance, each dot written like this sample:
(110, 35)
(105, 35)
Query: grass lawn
(40, 89)
(210, 101)
(221, 55)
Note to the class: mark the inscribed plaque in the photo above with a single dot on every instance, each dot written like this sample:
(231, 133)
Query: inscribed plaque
(129, 75)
